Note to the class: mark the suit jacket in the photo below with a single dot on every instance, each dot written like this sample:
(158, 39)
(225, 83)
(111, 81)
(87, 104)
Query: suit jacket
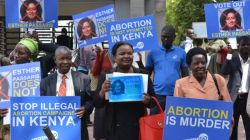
(234, 70)
(81, 84)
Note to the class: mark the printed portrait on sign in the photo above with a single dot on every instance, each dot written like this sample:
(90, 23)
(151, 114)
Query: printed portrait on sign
(86, 28)
(31, 10)
(231, 19)
(5, 85)
(118, 87)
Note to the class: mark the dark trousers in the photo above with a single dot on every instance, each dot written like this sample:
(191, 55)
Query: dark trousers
(162, 101)
(240, 109)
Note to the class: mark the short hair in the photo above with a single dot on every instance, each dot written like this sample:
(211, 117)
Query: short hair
(62, 48)
(223, 18)
(169, 28)
(194, 51)
(114, 84)
(118, 45)
(64, 30)
(24, 8)
(4, 86)
(244, 39)
(92, 26)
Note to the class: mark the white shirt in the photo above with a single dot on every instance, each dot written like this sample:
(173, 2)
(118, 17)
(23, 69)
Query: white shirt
(189, 44)
(244, 81)
(69, 83)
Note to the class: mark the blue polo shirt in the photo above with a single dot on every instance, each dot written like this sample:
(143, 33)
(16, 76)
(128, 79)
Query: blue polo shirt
(166, 65)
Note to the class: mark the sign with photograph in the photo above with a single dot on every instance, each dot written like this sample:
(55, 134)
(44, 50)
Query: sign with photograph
(126, 88)
(31, 13)
(228, 19)
(90, 26)
(20, 80)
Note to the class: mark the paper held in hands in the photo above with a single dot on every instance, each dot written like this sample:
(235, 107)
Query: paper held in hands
(127, 87)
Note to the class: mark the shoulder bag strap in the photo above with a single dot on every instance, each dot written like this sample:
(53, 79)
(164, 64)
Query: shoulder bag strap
(216, 84)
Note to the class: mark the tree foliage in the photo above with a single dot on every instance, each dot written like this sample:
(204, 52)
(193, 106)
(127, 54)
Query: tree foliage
(181, 14)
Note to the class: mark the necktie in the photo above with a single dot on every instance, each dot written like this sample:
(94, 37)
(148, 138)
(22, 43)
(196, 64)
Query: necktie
(62, 88)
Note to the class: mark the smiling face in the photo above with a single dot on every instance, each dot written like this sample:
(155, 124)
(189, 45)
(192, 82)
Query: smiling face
(231, 20)
(124, 56)
(63, 61)
(86, 29)
(31, 11)
(198, 66)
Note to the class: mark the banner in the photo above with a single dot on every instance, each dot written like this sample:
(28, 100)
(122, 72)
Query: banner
(90, 26)
(31, 13)
(197, 119)
(229, 19)
(19, 80)
(140, 32)
(126, 88)
(29, 115)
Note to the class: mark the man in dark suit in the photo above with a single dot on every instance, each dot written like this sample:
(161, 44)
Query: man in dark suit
(238, 69)
(66, 82)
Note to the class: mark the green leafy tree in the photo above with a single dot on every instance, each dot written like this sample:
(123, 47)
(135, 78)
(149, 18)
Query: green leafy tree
(181, 14)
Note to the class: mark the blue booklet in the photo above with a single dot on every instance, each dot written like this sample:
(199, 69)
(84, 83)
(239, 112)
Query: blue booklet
(126, 88)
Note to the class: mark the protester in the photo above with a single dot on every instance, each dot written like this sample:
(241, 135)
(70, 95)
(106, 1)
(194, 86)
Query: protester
(121, 119)
(188, 44)
(167, 62)
(66, 82)
(201, 83)
(237, 67)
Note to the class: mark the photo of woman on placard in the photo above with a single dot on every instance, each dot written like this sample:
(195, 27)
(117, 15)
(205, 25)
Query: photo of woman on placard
(86, 29)
(31, 11)
(230, 20)
(118, 87)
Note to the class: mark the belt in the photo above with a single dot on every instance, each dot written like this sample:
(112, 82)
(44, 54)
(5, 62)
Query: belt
(242, 95)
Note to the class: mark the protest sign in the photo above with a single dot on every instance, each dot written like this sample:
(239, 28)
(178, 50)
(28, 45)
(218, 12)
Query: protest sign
(31, 13)
(228, 19)
(126, 88)
(29, 115)
(90, 26)
(20, 80)
(140, 32)
(200, 29)
(197, 119)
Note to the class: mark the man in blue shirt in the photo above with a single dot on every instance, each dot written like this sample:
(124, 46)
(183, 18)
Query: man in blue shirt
(168, 63)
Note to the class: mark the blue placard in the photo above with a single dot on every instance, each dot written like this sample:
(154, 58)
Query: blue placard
(90, 26)
(31, 13)
(30, 114)
(229, 19)
(126, 88)
(140, 32)
(20, 80)
(197, 119)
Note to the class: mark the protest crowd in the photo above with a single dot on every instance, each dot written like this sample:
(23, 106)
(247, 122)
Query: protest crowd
(196, 89)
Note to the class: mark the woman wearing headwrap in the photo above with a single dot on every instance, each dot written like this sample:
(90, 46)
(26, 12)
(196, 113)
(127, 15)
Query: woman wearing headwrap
(26, 51)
